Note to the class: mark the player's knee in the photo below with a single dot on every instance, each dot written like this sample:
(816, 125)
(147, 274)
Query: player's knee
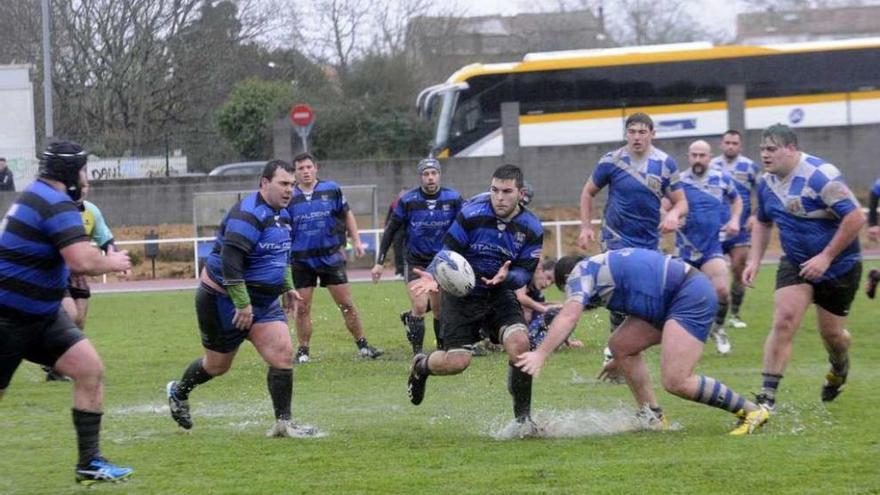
(347, 308)
(419, 308)
(616, 346)
(88, 371)
(216, 369)
(303, 309)
(515, 338)
(80, 321)
(457, 360)
(785, 320)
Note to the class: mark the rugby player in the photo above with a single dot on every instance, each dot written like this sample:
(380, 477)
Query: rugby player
(238, 299)
(42, 241)
(502, 242)
(714, 206)
(819, 221)
(667, 303)
(320, 217)
(745, 174)
(425, 214)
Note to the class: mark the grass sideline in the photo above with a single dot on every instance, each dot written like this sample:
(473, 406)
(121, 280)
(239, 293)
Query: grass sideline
(379, 443)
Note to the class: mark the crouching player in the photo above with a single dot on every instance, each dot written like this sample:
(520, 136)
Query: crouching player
(667, 302)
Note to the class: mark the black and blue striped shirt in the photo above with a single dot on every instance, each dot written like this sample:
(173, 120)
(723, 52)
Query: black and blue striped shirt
(487, 241)
(33, 275)
(318, 221)
(263, 235)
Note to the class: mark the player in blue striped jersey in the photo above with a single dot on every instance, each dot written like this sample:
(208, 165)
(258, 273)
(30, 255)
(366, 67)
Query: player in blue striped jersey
(42, 241)
(238, 298)
(819, 221)
(745, 174)
(425, 214)
(502, 242)
(321, 217)
(711, 196)
(667, 303)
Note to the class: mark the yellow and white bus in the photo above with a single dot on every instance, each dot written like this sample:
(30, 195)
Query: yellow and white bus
(583, 96)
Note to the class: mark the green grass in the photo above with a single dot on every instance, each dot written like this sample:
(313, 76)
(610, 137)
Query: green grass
(379, 443)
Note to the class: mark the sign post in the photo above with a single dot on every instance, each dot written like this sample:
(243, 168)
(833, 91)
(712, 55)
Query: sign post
(303, 120)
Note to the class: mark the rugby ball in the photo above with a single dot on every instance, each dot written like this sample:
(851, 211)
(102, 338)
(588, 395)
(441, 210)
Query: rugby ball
(454, 273)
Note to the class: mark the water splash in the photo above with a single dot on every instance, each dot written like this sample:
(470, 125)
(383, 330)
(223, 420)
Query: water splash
(575, 424)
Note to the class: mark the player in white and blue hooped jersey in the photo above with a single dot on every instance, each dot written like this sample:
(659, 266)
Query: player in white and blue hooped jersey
(502, 241)
(745, 174)
(666, 303)
(638, 177)
(710, 194)
(819, 221)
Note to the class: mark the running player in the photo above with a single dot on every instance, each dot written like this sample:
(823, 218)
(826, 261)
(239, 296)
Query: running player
(238, 299)
(425, 213)
(41, 237)
(502, 242)
(711, 196)
(744, 173)
(638, 176)
(819, 221)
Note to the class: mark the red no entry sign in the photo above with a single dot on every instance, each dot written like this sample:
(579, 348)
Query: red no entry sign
(301, 115)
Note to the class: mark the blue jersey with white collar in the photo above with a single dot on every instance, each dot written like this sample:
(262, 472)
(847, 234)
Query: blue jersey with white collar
(707, 197)
(632, 213)
(427, 217)
(261, 232)
(638, 282)
(745, 174)
(318, 221)
(487, 241)
(808, 206)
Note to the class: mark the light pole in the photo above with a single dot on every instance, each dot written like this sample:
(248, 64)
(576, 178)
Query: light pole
(48, 115)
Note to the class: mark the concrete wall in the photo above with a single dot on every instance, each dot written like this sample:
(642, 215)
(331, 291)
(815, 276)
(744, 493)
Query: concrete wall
(557, 173)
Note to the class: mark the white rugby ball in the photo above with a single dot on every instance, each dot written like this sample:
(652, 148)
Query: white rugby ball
(454, 273)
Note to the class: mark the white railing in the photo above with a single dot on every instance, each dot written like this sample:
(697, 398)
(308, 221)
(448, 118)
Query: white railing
(556, 225)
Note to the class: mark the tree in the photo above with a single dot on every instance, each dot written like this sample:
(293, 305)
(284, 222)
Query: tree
(246, 118)
(651, 22)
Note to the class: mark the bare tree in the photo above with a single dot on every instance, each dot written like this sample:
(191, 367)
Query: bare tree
(391, 19)
(649, 22)
(19, 32)
(331, 31)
